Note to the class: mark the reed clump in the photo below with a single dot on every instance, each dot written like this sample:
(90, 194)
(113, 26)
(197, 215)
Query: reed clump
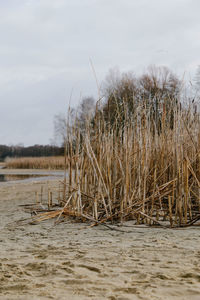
(138, 168)
(50, 162)
(137, 158)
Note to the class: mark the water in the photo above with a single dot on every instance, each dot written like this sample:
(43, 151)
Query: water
(16, 177)
(9, 176)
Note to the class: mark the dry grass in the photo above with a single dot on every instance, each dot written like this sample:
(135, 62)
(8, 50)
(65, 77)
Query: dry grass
(51, 162)
(139, 171)
(135, 172)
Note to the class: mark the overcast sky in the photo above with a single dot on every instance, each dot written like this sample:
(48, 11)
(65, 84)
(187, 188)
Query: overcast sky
(46, 45)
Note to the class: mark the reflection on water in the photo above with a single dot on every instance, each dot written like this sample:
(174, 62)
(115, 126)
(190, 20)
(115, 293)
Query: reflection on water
(14, 177)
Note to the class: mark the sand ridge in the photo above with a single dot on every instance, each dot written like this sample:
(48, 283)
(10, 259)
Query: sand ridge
(74, 261)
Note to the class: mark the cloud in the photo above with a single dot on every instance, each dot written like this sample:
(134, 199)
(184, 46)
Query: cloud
(46, 45)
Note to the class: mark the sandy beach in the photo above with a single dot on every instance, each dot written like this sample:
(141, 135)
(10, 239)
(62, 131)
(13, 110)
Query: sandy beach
(75, 261)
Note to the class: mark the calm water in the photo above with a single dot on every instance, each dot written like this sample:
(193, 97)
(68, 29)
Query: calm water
(15, 177)
(7, 176)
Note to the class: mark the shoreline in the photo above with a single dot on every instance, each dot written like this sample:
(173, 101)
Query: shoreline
(74, 261)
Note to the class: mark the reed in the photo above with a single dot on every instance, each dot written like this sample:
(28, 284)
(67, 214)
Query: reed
(51, 162)
(136, 171)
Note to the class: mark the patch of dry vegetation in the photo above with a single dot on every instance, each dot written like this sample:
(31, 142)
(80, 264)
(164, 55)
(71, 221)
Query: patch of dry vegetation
(51, 162)
(137, 172)
(137, 159)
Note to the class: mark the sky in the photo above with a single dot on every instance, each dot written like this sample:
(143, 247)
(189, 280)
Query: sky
(49, 50)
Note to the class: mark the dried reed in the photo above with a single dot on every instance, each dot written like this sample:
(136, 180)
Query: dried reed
(136, 171)
(51, 162)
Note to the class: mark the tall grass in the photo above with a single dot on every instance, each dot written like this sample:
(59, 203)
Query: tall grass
(138, 171)
(50, 162)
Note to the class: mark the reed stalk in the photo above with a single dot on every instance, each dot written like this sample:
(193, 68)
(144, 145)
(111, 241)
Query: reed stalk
(136, 170)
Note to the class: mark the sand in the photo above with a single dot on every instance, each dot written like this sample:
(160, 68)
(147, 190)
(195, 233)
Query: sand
(75, 261)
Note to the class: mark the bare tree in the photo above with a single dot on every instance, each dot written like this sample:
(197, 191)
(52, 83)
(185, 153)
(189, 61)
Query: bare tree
(159, 84)
(62, 124)
(157, 90)
(74, 119)
(197, 83)
(120, 91)
(85, 112)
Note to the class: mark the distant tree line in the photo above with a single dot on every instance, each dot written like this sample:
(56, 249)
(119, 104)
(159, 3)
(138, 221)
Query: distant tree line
(158, 92)
(31, 151)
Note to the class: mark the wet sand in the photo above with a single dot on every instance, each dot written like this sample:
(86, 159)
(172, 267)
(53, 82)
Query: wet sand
(74, 261)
